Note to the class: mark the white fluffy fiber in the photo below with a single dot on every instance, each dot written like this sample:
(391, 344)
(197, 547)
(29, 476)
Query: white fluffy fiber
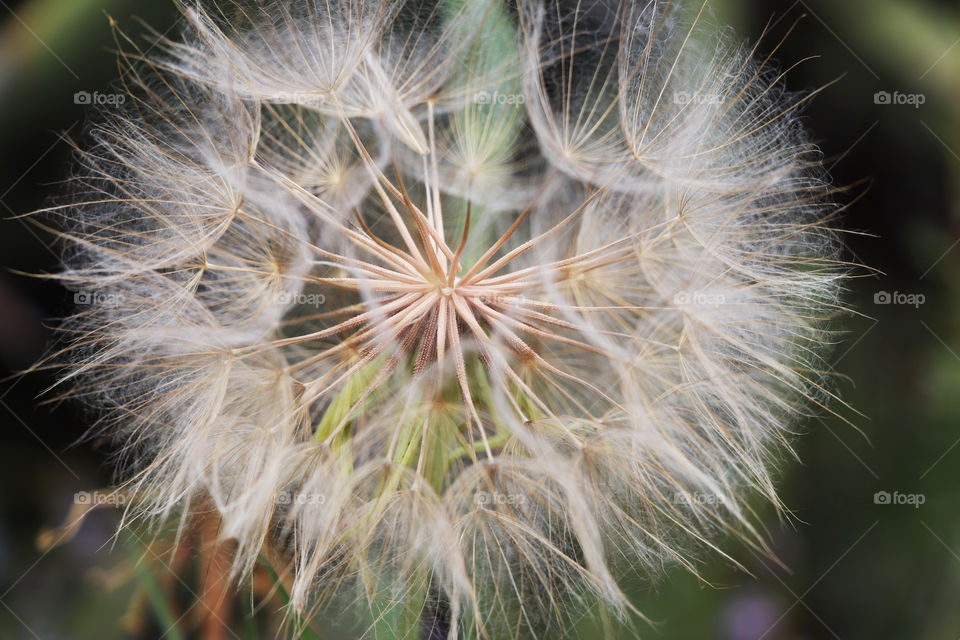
(270, 228)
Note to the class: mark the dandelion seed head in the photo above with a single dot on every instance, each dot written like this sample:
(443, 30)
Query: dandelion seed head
(452, 301)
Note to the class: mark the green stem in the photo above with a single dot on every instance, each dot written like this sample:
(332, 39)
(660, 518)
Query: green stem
(151, 587)
(302, 629)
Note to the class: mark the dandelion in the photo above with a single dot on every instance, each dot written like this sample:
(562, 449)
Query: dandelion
(463, 307)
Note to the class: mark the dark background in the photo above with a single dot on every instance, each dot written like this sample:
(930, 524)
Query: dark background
(852, 568)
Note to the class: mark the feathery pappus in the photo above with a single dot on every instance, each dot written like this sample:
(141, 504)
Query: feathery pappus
(472, 306)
